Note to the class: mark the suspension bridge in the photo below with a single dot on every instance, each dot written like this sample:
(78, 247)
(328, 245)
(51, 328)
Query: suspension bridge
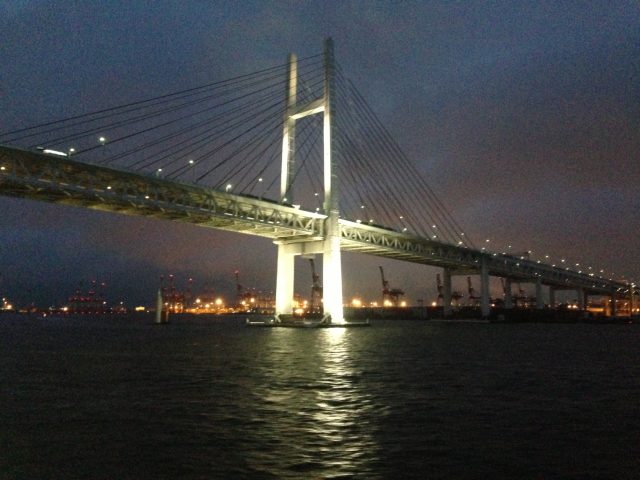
(293, 153)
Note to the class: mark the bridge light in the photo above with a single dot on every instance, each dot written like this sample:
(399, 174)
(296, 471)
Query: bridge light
(2, 168)
(102, 140)
(260, 179)
(401, 217)
(191, 162)
(404, 229)
(229, 187)
(71, 151)
(54, 152)
(108, 187)
(361, 206)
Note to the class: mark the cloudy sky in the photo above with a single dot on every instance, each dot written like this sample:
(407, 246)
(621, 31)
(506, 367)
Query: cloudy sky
(524, 117)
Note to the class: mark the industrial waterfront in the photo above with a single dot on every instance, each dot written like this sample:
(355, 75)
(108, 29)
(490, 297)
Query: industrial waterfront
(84, 398)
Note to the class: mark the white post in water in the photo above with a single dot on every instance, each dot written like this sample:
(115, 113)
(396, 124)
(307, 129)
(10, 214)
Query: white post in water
(330, 245)
(159, 307)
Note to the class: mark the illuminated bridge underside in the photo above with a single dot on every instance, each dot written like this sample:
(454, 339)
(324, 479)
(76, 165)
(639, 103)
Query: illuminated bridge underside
(61, 180)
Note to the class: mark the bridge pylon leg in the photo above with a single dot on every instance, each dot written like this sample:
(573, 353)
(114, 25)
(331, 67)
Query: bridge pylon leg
(332, 271)
(284, 280)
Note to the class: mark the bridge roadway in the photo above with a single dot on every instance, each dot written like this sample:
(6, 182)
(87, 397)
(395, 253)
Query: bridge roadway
(57, 179)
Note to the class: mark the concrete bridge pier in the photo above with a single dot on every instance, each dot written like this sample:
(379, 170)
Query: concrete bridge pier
(582, 297)
(539, 300)
(446, 292)
(552, 297)
(485, 300)
(331, 273)
(613, 309)
(508, 294)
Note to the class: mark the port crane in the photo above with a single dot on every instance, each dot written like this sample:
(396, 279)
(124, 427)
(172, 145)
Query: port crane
(473, 298)
(244, 297)
(315, 306)
(174, 301)
(390, 295)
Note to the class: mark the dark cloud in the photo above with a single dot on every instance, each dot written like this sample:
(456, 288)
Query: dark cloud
(524, 116)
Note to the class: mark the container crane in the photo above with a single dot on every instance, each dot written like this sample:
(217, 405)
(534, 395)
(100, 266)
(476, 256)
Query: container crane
(244, 298)
(315, 305)
(473, 298)
(390, 295)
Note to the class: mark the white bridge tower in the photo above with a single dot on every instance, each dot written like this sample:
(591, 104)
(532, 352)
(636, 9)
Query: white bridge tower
(329, 246)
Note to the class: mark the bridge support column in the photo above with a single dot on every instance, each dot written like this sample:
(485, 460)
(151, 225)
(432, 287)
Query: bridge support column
(552, 297)
(508, 295)
(284, 280)
(484, 288)
(446, 292)
(614, 307)
(581, 296)
(539, 300)
(332, 271)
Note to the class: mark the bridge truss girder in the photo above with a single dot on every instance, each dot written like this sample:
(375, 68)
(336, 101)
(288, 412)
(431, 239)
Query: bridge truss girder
(364, 238)
(61, 180)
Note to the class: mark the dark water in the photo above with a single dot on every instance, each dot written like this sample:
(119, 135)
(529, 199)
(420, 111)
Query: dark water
(214, 399)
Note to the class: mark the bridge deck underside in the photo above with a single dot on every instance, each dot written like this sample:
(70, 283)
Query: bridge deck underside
(60, 180)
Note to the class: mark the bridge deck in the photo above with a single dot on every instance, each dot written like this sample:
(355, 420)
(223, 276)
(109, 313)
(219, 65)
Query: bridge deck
(38, 176)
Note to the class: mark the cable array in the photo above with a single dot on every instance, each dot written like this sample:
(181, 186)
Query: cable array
(224, 135)
(378, 183)
(227, 135)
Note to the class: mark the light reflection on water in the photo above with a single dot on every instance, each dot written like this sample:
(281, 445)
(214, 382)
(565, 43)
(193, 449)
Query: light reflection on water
(312, 405)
